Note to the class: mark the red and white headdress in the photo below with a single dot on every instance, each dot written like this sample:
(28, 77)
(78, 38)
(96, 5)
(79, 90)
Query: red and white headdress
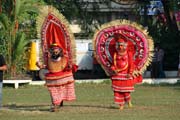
(139, 43)
(52, 27)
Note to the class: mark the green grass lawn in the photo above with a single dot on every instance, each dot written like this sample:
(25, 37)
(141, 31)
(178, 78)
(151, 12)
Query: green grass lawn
(94, 102)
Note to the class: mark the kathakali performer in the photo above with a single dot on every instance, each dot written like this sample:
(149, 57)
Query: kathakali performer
(124, 50)
(58, 50)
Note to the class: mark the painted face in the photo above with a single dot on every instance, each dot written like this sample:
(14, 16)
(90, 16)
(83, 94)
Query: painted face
(121, 46)
(56, 53)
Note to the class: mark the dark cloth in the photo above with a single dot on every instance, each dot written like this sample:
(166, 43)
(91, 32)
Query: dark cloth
(155, 70)
(157, 64)
(2, 62)
(154, 65)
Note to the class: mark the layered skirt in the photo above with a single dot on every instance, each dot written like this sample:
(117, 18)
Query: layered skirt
(122, 86)
(60, 87)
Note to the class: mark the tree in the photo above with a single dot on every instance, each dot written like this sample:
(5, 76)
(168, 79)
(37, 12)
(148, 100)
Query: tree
(171, 34)
(77, 11)
(162, 27)
(14, 39)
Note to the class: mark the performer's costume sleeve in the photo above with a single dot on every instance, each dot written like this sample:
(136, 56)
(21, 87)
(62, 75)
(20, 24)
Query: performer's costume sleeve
(139, 46)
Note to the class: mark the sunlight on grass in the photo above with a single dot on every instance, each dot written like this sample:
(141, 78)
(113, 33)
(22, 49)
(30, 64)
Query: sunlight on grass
(94, 101)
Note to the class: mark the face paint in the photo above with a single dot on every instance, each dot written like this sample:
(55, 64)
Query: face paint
(121, 46)
(56, 53)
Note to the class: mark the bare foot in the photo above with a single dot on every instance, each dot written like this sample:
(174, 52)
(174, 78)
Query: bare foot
(130, 104)
(121, 107)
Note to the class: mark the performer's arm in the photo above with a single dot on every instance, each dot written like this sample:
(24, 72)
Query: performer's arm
(113, 63)
(70, 66)
(44, 65)
(39, 65)
(3, 67)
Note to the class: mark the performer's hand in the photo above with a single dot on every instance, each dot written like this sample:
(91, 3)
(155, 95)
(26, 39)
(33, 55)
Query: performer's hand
(38, 64)
(69, 67)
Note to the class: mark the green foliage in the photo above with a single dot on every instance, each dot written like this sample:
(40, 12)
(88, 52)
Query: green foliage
(66, 7)
(169, 41)
(4, 34)
(6, 37)
(4, 21)
(19, 48)
(15, 19)
(76, 11)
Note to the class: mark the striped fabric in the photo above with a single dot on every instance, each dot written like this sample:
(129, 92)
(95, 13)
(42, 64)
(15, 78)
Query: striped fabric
(58, 82)
(121, 98)
(121, 76)
(123, 85)
(57, 75)
(122, 88)
(62, 93)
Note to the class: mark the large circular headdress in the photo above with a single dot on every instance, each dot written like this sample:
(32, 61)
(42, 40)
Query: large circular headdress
(52, 27)
(140, 44)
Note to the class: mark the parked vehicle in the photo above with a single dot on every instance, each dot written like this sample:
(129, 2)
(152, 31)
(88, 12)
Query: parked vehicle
(84, 58)
(84, 54)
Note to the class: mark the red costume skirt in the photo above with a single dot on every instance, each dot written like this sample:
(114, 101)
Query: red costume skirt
(62, 93)
(60, 86)
(122, 86)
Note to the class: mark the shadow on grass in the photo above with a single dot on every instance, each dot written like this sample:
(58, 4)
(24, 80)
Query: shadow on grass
(46, 107)
(93, 106)
(27, 107)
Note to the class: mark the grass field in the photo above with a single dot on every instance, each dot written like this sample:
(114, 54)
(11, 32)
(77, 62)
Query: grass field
(94, 102)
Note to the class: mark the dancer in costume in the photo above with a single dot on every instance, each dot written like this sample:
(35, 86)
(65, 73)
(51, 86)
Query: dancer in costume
(58, 51)
(122, 66)
(124, 50)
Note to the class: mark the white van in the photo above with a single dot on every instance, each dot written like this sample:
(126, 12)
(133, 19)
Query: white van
(84, 52)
